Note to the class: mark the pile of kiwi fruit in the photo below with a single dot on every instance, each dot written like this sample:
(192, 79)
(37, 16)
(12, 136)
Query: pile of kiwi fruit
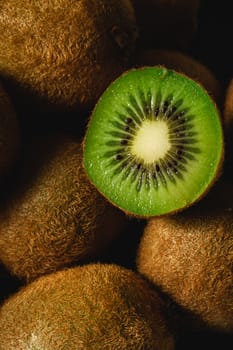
(116, 209)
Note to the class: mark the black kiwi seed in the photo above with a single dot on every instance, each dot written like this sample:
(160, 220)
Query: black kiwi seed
(127, 128)
(181, 136)
(128, 120)
(156, 111)
(119, 157)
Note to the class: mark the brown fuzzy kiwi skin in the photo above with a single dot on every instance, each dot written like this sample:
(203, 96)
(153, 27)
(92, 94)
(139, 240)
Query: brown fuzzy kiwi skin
(54, 217)
(211, 184)
(9, 132)
(228, 127)
(190, 258)
(183, 63)
(166, 23)
(93, 307)
(228, 105)
(65, 53)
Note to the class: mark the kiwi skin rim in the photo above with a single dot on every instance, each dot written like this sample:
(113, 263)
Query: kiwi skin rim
(218, 172)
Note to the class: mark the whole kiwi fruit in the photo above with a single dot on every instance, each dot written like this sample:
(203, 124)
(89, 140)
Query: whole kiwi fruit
(53, 216)
(190, 257)
(228, 105)
(64, 53)
(184, 63)
(167, 23)
(93, 307)
(9, 132)
(228, 128)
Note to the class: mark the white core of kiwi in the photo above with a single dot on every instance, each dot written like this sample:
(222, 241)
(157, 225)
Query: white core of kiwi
(151, 141)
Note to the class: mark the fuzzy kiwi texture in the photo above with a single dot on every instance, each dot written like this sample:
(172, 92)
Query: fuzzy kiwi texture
(184, 63)
(228, 106)
(54, 216)
(9, 132)
(190, 257)
(166, 23)
(93, 307)
(62, 52)
(228, 109)
(228, 128)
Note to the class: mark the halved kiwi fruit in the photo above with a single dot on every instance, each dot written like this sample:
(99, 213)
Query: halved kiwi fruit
(93, 307)
(154, 143)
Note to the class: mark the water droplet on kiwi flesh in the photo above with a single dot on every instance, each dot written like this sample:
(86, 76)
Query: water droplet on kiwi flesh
(182, 137)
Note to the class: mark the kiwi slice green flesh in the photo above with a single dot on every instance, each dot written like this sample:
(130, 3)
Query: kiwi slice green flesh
(154, 142)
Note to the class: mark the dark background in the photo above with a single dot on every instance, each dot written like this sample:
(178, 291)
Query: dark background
(214, 39)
